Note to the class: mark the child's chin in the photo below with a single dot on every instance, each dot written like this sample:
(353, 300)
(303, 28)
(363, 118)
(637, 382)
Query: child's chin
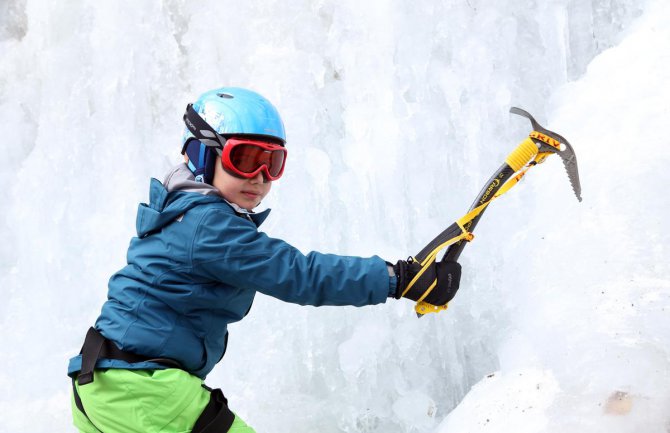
(247, 204)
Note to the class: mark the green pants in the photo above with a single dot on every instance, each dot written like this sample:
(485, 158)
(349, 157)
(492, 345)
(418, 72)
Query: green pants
(146, 401)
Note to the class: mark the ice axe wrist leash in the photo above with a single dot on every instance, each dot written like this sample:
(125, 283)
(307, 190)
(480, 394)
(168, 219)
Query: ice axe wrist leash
(533, 150)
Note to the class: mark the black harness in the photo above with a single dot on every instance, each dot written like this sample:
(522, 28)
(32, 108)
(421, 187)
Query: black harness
(215, 418)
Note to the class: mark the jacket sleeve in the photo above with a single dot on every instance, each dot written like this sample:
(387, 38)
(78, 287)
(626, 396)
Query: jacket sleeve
(231, 250)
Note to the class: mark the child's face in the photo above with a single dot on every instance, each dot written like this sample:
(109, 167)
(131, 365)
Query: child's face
(246, 193)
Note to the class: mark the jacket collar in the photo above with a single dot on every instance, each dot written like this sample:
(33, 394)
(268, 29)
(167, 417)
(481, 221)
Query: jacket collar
(256, 218)
(180, 178)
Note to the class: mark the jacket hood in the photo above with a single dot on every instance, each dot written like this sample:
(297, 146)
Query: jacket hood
(178, 193)
(180, 178)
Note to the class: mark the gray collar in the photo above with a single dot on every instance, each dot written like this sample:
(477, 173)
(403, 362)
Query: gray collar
(180, 178)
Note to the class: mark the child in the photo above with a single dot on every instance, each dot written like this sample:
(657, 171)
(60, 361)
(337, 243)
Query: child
(195, 266)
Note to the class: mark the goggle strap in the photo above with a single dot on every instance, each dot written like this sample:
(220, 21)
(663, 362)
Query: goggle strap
(202, 130)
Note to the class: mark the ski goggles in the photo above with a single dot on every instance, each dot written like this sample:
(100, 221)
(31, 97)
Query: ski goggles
(246, 158)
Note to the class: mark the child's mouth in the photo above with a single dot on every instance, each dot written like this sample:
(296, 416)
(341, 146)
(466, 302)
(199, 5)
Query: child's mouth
(251, 195)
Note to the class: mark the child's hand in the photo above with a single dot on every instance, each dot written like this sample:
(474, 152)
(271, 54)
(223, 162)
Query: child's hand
(440, 280)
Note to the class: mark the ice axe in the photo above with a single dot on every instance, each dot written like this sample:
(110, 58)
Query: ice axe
(539, 144)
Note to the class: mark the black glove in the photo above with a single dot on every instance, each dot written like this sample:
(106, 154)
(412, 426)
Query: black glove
(447, 274)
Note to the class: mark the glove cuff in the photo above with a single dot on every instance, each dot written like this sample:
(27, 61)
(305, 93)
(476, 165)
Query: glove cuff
(400, 269)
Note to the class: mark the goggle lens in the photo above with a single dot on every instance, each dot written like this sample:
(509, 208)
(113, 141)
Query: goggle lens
(247, 158)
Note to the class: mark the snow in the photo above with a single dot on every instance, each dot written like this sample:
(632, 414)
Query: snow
(396, 113)
(517, 400)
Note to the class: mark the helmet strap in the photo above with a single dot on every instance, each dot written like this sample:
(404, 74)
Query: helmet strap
(201, 130)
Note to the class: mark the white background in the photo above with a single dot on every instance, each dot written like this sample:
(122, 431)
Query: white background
(396, 114)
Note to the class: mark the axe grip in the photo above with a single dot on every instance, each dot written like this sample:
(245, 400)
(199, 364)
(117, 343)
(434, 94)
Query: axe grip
(522, 154)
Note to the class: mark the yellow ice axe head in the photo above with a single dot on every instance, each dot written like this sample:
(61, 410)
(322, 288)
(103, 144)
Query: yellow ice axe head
(550, 142)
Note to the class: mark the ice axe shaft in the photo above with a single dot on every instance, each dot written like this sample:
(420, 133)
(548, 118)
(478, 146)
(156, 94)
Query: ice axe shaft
(531, 151)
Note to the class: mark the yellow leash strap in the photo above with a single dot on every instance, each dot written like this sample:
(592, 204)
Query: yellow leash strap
(422, 307)
(517, 160)
(425, 264)
(506, 187)
(522, 159)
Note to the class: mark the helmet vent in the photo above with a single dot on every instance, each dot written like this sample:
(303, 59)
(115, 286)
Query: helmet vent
(225, 95)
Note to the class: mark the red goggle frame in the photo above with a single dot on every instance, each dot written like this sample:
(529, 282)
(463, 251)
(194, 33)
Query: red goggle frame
(247, 158)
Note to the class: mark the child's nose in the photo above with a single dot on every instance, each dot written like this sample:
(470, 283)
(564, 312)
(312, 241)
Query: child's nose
(259, 178)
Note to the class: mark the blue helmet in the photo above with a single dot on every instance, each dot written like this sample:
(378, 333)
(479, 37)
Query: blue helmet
(221, 113)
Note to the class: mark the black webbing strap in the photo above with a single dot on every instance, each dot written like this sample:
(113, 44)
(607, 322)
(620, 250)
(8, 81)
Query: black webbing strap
(80, 405)
(98, 347)
(90, 353)
(77, 399)
(216, 417)
(202, 130)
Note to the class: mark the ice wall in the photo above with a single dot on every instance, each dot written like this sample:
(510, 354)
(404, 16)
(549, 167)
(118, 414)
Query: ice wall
(396, 112)
(586, 347)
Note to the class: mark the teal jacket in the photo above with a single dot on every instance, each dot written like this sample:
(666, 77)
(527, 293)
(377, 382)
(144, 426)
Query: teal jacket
(195, 267)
